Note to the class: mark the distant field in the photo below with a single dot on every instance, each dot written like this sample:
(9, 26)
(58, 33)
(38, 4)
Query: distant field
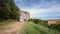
(33, 28)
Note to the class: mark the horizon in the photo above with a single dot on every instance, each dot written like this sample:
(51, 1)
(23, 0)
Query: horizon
(40, 9)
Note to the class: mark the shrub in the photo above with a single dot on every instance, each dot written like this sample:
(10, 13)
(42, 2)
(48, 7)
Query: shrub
(44, 23)
(39, 21)
(34, 20)
(55, 27)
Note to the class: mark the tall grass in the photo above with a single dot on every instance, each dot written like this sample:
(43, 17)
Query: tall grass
(33, 28)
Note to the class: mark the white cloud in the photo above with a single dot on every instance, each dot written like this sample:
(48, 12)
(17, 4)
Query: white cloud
(44, 7)
(37, 12)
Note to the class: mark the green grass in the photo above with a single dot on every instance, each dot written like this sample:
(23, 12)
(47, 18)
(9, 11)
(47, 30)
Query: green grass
(32, 28)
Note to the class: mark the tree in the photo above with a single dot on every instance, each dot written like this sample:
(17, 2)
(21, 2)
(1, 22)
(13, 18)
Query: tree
(8, 10)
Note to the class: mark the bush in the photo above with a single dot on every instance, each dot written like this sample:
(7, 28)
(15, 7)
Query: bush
(39, 21)
(34, 20)
(44, 23)
(55, 27)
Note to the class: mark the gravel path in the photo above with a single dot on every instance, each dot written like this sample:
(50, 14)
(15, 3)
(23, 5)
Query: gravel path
(15, 28)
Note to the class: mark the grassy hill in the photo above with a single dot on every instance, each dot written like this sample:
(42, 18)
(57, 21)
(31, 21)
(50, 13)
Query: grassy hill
(32, 28)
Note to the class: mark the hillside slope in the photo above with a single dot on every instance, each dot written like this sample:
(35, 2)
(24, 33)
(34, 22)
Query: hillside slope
(33, 28)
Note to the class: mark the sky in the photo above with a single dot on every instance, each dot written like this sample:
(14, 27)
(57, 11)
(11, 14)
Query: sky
(40, 9)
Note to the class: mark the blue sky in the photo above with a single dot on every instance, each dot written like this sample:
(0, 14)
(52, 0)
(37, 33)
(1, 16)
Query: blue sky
(41, 9)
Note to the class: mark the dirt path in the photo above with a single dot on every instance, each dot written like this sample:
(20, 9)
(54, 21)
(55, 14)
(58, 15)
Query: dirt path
(15, 28)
